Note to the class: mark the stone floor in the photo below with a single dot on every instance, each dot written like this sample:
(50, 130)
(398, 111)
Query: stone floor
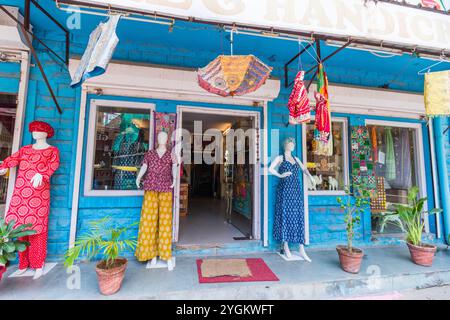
(207, 224)
(384, 270)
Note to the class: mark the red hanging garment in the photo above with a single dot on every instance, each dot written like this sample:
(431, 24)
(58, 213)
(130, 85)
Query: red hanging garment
(299, 108)
(322, 117)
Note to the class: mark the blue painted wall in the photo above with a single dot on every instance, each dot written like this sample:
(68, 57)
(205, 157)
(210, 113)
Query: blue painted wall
(9, 77)
(188, 46)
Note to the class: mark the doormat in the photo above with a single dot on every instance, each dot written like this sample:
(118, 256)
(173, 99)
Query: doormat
(258, 271)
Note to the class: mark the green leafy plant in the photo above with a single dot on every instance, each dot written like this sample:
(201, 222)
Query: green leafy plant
(353, 205)
(9, 243)
(103, 239)
(411, 215)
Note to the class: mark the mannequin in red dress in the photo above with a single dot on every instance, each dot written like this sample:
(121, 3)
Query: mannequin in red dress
(30, 202)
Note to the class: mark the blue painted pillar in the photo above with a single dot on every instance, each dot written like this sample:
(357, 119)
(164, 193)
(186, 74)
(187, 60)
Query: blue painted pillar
(441, 157)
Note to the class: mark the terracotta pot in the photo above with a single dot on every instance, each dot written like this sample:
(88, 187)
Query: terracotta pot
(2, 271)
(350, 262)
(110, 280)
(422, 255)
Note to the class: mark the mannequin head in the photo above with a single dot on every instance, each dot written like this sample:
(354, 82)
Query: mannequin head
(37, 135)
(163, 137)
(289, 144)
(41, 130)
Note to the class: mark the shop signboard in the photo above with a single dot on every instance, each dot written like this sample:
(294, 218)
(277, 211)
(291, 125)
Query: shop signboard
(353, 18)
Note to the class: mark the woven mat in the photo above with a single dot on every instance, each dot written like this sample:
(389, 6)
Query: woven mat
(213, 268)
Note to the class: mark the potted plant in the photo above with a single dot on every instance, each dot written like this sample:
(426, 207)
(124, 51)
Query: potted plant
(9, 243)
(353, 204)
(411, 216)
(108, 241)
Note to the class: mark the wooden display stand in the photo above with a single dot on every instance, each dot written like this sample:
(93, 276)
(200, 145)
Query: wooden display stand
(184, 199)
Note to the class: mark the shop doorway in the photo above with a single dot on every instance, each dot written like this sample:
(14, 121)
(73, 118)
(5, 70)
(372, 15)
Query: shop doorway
(8, 109)
(398, 164)
(218, 198)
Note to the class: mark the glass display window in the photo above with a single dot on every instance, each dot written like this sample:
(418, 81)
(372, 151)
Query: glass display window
(120, 133)
(330, 172)
(397, 153)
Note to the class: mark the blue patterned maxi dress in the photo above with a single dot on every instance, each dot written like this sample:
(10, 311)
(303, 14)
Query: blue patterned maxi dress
(289, 225)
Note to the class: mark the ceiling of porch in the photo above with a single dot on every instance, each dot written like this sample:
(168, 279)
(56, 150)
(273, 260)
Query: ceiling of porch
(203, 42)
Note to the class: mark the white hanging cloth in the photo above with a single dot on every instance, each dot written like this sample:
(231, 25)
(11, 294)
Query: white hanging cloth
(99, 51)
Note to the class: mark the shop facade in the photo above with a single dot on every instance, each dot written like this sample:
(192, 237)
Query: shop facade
(154, 75)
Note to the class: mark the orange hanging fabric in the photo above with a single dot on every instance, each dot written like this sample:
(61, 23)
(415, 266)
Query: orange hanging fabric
(323, 133)
(374, 144)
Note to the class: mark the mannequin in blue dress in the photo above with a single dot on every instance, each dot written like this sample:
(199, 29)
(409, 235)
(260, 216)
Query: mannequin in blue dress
(289, 216)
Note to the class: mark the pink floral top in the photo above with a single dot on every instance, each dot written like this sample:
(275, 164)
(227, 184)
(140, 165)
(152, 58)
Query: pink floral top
(159, 173)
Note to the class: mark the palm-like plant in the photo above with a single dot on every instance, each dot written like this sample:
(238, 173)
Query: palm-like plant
(9, 243)
(103, 238)
(411, 215)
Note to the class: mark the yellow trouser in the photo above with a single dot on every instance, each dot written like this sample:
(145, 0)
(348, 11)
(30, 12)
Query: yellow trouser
(155, 228)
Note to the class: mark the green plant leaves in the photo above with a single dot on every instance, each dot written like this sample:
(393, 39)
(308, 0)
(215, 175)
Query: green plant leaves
(411, 216)
(9, 247)
(10, 256)
(103, 238)
(21, 246)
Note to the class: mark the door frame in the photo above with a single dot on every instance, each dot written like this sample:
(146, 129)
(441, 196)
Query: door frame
(419, 155)
(256, 115)
(23, 58)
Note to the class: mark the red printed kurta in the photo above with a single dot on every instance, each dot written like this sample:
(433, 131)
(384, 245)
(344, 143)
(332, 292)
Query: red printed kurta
(29, 204)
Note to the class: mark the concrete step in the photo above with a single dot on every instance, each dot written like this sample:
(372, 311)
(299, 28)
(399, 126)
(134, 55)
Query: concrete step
(221, 249)
(384, 270)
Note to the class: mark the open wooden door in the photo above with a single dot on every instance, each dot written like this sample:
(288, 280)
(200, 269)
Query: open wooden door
(176, 191)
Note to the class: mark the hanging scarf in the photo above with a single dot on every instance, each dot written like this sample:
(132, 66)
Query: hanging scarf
(99, 51)
(299, 108)
(323, 117)
(375, 144)
(390, 156)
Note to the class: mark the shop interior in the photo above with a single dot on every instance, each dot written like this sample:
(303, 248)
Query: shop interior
(216, 200)
(8, 109)
(394, 157)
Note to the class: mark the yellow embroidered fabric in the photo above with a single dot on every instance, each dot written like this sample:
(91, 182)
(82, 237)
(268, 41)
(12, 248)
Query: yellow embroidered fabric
(235, 69)
(437, 93)
(155, 228)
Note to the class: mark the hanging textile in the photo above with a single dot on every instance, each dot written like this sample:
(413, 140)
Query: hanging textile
(362, 162)
(375, 144)
(166, 122)
(379, 202)
(100, 49)
(403, 162)
(390, 156)
(233, 75)
(323, 133)
(299, 108)
(323, 123)
(437, 94)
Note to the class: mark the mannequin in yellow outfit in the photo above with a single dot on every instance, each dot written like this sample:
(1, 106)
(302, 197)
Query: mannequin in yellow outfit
(159, 171)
